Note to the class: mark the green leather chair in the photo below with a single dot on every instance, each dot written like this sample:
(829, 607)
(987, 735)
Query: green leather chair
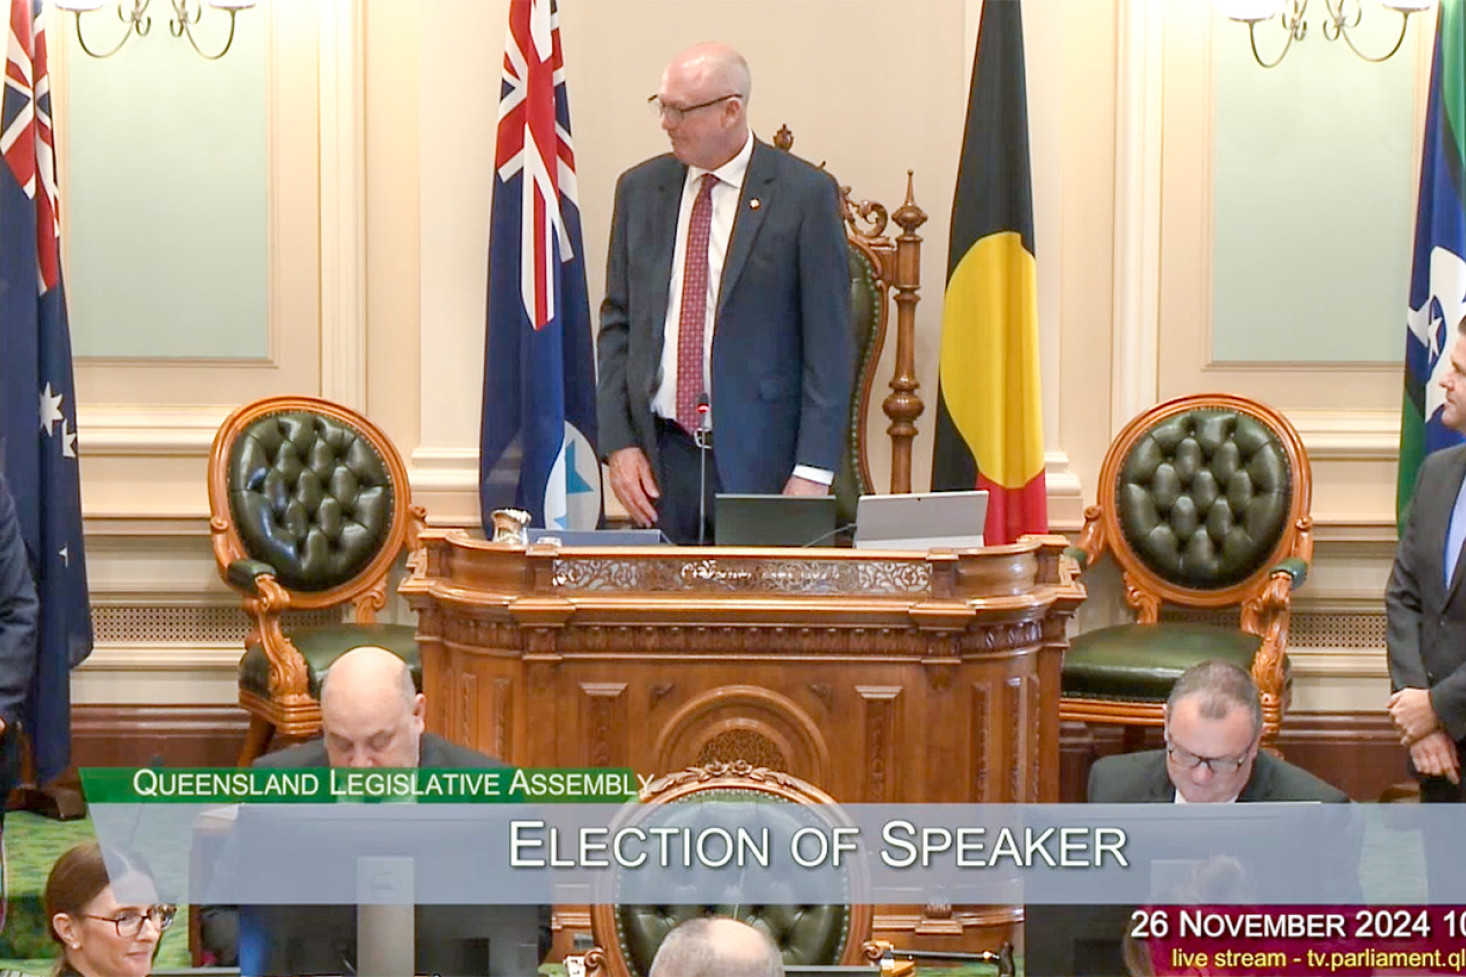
(628, 936)
(883, 271)
(1204, 505)
(309, 509)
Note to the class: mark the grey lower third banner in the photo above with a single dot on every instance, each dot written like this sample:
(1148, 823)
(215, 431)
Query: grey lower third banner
(772, 853)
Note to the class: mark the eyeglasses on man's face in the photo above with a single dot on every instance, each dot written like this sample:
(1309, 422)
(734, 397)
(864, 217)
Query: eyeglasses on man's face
(1216, 764)
(676, 113)
(130, 922)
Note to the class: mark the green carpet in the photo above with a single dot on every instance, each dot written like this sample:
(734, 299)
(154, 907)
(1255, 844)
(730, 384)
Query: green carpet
(32, 845)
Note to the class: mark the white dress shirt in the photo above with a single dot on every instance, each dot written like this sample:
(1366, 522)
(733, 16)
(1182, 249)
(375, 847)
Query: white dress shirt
(725, 196)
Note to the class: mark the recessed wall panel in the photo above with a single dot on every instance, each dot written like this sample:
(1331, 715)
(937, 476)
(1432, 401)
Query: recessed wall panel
(166, 206)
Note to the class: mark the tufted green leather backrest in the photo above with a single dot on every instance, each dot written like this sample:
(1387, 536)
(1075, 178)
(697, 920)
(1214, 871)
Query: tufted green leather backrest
(311, 496)
(805, 934)
(865, 310)
(1203, 497)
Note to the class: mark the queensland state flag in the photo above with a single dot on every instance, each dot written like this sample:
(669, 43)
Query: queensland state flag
(537, 447)
(989, 426)
(1438, 276)
(37, 394)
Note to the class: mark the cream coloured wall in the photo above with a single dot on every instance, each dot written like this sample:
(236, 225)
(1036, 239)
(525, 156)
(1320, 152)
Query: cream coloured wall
(382, 142)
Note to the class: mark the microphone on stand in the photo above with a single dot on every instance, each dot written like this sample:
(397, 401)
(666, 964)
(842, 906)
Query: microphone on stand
(702, 440)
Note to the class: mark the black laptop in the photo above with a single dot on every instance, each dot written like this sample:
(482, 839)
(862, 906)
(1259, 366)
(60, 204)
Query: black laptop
(774, 520)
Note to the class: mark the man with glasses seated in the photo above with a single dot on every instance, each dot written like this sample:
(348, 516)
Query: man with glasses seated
(1213, 728)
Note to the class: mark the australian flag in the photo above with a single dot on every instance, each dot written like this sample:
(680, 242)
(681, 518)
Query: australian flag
(37, 393)
(537, 448)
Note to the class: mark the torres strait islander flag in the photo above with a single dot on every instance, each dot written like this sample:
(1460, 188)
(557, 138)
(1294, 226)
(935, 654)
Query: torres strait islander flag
(989, 427)
(537, 447)
(1438, 279)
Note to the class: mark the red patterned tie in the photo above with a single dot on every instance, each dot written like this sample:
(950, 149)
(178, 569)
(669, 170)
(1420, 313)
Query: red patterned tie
(692, 322)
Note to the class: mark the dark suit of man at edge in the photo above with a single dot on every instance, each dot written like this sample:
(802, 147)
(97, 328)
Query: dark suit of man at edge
(19, 612)
(1425, 607)
(727, 275)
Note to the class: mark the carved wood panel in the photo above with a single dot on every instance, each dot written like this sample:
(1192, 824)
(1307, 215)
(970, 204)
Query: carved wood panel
(981, 722)
(605, 723)
(882, 704)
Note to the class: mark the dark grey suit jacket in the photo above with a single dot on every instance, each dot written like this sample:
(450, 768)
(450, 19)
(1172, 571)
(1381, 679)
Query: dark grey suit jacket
(290, 926)
(1141, 778)
(1426, 631)
(433, 751)
(19, 611)
(783, 354)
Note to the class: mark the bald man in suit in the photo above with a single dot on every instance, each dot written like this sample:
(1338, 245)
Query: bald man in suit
(728, 275)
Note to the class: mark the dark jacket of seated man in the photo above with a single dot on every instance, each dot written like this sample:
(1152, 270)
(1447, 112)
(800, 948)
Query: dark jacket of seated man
(1142, 778)
(372, 717)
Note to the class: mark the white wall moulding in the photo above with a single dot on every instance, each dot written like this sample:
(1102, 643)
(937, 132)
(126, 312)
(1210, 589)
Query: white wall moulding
(166, 149)
(163, 656)
(444, 470)
(283, 292)
(1195, 35)
(343, 203)
(161, 430)
(1066, 500)
(1134, 383)
(1364, 435)
(1311, 274)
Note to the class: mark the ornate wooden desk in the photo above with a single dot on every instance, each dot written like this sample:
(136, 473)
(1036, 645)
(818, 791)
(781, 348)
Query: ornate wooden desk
(878, 676)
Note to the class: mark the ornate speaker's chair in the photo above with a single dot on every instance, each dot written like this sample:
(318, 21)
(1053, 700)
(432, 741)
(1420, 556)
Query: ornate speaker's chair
(628, 936)
(1204, 504)
(309, 508)
(882, 270)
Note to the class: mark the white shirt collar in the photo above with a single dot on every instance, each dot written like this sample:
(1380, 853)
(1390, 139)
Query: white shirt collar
(1181, 798)
(731, 172)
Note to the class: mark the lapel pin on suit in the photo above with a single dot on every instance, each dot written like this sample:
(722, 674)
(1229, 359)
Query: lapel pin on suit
(754, 204)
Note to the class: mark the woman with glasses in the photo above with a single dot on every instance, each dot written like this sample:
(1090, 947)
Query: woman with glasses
(104, 931)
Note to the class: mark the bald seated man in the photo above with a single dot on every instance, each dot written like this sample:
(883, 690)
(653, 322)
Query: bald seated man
(717, 947)
(373, 716)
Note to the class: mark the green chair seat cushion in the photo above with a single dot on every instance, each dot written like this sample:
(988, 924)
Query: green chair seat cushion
(1140, 662)
(321, 646)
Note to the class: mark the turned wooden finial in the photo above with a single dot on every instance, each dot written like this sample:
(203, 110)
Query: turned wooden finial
(784, 138)
(908, 215)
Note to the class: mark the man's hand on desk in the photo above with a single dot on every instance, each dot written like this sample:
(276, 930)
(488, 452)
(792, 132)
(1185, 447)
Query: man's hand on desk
(1435, 756)
(804, 486)
(634, 485)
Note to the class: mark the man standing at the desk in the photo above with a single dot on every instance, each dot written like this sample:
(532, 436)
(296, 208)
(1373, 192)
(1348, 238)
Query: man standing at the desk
(727, 279)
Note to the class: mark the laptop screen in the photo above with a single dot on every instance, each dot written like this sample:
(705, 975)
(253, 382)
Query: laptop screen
(774, 520)
(919, 521)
